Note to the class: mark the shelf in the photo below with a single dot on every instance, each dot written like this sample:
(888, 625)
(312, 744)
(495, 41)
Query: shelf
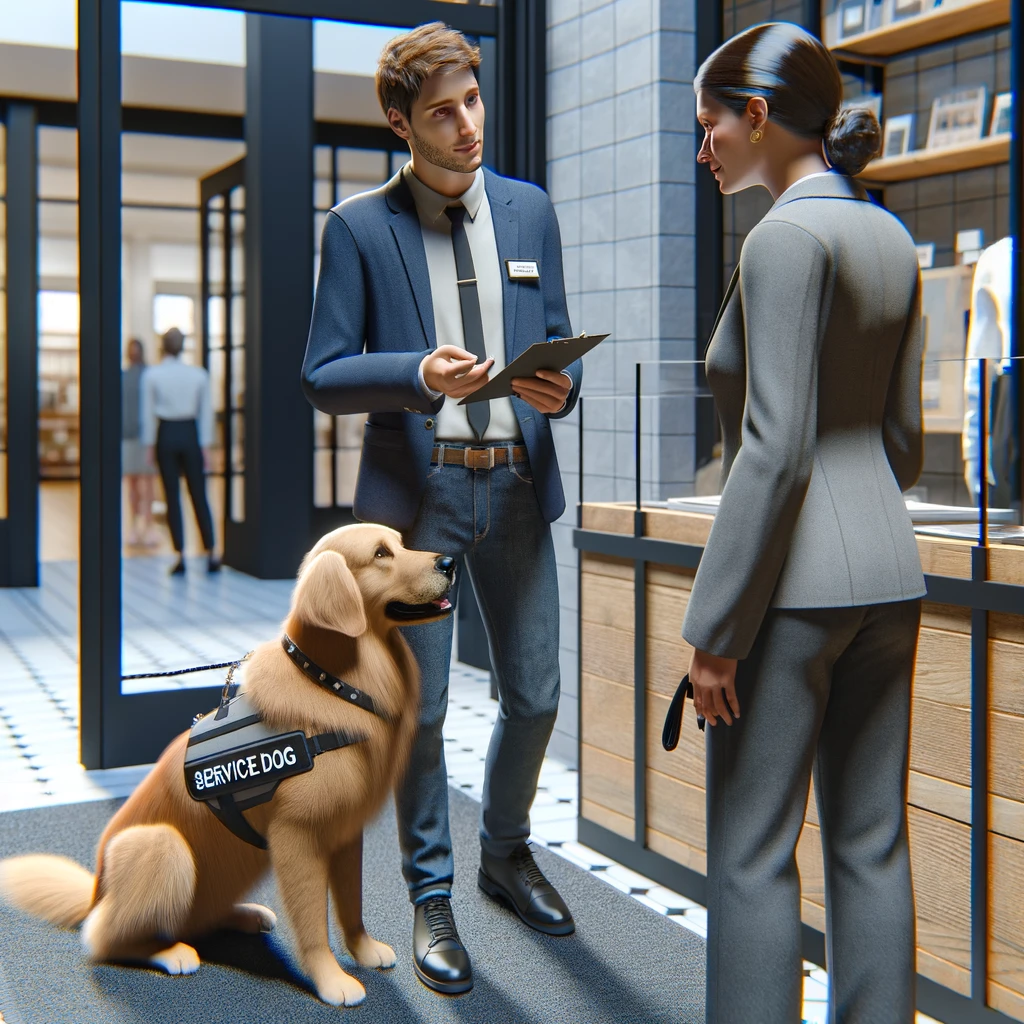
(936, 26)
(922, 163)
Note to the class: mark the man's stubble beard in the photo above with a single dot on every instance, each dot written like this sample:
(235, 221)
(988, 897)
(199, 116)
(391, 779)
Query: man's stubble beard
(440, 158)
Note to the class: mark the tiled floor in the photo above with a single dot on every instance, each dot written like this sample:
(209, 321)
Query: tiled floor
(198, 620)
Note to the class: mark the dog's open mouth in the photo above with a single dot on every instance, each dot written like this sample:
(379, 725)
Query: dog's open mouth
(398, 610)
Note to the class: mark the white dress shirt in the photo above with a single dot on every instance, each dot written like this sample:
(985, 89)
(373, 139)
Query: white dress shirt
(173, 390)
(452, 420)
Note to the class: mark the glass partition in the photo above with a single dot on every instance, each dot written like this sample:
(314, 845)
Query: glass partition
(969, 420)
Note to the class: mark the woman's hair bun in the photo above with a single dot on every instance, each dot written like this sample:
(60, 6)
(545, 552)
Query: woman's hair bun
(852, 139)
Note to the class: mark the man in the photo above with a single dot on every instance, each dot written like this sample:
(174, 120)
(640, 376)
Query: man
(177, 418)
(446, 273)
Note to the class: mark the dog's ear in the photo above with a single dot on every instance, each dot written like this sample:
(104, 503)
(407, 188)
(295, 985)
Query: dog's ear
(327, 595)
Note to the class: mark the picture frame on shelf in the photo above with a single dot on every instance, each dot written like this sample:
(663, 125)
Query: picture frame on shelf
(897, 136)
(957, 117)
(866, 101)
(852, 18)
(900, 10)
(925, 255)
(1002, 115)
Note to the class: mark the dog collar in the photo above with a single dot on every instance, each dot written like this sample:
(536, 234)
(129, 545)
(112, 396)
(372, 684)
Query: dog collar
(330, 683)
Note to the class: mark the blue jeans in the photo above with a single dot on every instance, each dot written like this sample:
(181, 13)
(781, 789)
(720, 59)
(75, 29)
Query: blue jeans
(491, 523)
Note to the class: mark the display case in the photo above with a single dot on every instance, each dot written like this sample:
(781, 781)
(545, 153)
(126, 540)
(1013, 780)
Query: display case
(640, 538)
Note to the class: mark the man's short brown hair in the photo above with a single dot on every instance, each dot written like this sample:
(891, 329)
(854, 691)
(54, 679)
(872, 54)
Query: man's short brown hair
(409, 60)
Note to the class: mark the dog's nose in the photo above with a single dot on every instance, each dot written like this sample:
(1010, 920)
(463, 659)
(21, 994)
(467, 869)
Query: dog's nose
(445, 564)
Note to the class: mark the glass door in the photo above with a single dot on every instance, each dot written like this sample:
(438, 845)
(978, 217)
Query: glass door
(222, 196)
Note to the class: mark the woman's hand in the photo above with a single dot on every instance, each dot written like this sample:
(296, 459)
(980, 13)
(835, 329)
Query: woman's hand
(714, 687)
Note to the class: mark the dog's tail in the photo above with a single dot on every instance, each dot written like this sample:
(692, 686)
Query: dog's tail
(54, 888)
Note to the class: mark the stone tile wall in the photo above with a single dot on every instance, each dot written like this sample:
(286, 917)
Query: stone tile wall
(621, 168)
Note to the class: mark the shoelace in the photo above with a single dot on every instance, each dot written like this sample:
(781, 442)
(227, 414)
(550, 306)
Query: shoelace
(527, 867)
(440, 920)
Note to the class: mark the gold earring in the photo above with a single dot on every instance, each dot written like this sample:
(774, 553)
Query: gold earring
(756, 136)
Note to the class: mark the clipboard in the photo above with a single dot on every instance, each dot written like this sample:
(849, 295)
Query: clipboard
(544, 355)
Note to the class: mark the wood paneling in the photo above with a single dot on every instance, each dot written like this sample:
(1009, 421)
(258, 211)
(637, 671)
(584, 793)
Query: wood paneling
(607, 600)
(940, 853)
(1006, 949)
(942, 972)
(607, 652)
(606, 779)
(607, 713)
(676, 809)
(1006, 564)
(1006, 1001)
(811, 864)
(681, 853)
(945, 557)
(1007, 818)
(607, 517)
(940, 797)
(682, 527)
(940, 741)
(1006, 755)
(943, 669)
(620, 824)
(604, 565)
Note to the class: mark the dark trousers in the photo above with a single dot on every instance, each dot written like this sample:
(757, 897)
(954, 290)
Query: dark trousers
(491, 523)
(824, 691)
(178, 454)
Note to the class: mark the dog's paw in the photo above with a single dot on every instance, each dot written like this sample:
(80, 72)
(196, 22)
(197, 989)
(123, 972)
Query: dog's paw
(370, 953)
(340, 989)
(253, 918)
(177, 959)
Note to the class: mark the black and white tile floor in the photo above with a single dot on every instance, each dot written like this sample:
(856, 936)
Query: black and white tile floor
(200, 620)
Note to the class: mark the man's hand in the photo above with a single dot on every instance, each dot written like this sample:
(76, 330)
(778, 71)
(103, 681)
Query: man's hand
(453, 371)
(714, 687)
(546, 392)
(150, 455)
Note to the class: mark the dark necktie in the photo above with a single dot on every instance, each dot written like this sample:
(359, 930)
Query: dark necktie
(479, 413)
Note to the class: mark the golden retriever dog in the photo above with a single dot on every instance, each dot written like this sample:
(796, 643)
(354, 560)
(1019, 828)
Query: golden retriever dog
(168, 871)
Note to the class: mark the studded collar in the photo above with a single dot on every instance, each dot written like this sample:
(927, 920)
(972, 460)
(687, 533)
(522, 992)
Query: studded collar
(332, 684)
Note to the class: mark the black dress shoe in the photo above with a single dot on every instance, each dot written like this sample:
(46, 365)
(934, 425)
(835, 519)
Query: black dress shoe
(517, 881)
(440, 959)
(178, 569)
(212, 563)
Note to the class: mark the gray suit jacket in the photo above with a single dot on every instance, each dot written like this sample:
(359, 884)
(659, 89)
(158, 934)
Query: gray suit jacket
(815, 365)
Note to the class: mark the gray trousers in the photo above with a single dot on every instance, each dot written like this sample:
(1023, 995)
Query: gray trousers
(829, 690)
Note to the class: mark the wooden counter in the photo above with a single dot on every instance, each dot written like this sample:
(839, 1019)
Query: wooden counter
(940, 779)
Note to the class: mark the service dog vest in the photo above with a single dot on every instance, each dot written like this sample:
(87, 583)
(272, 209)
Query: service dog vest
(235, 761)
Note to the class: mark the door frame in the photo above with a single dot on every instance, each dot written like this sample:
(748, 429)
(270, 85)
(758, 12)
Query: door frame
(120, 729)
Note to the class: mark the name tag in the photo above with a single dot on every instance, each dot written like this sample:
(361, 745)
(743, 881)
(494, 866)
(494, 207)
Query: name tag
(254, 764)
(522, 270)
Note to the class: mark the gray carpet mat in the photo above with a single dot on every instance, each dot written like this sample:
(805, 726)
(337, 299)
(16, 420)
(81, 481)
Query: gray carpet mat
(626, 964)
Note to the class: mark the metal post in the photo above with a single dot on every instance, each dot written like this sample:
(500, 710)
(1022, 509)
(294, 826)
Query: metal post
(99, 240)
(278, 293)
(19, 538)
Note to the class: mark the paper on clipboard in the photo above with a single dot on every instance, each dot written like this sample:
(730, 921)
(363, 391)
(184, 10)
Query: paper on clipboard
(544, 355)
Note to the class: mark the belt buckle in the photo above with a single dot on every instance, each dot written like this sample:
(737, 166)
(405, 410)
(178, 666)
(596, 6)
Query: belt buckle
(489, 463)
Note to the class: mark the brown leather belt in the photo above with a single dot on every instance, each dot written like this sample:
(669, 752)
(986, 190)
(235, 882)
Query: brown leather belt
(480, 458)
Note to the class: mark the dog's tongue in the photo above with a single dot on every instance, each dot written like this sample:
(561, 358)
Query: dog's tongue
(442, 603)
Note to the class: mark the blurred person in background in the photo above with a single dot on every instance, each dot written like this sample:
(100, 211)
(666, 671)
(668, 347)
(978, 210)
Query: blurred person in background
(134, 465)
(177, 428)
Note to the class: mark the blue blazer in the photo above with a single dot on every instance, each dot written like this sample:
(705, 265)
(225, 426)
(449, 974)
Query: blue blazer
(373, 321)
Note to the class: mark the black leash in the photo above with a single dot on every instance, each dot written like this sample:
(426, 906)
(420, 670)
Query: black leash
(184, 671)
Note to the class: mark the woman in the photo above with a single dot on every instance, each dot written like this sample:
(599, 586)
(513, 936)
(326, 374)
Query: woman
(134, 464)
(805, 611)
